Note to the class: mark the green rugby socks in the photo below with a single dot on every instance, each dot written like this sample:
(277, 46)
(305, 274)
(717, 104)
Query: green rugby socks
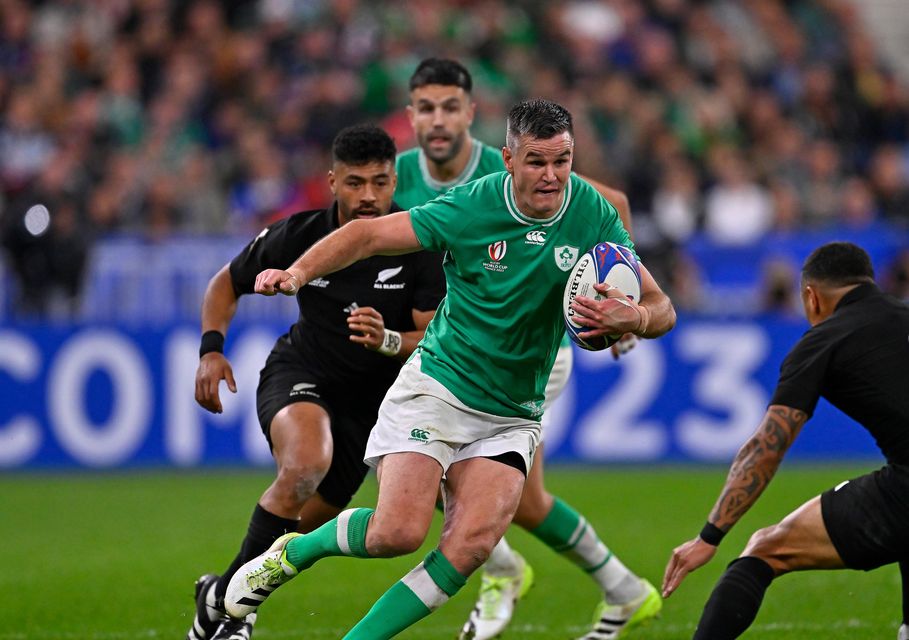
(427, 587)
(343, 536)
(565, 531)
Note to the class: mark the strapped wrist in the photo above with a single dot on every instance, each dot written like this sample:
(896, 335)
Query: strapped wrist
(711, 534)
(211, 341)
(391, 343)
(644, 312)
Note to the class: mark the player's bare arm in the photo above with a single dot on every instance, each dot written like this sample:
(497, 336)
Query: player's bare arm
(617, 199)
(375, 336)
(756, 463)
(358, 239)
(752, 470)
(652, 317)
(218, 308)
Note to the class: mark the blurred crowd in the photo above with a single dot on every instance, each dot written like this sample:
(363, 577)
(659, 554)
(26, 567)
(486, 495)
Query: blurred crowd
(730, 118)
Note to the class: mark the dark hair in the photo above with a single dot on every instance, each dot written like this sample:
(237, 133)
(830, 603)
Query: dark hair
(362, 144)
(538, 118)
(838, 264)
(442, 71)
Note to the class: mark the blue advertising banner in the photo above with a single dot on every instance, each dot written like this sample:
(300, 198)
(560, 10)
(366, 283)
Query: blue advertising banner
(117, 396)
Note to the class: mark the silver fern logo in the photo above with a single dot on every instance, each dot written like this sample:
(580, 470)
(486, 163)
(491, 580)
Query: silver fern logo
(387, 274)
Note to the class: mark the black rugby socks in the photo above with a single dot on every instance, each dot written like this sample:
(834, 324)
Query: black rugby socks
(264, 528)
(735, 600)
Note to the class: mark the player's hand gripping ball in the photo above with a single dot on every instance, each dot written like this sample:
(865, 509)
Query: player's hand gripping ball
(606, 263)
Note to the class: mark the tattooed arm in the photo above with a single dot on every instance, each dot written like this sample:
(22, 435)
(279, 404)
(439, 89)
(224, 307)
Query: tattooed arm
(756, 464)
(751, 471)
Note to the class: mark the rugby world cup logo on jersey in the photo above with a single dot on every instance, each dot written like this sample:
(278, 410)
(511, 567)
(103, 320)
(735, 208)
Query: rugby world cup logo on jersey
(385, 275)
(496, 252)
(565, 257)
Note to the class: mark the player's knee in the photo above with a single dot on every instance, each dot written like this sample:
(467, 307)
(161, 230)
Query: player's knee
(299, 482)
(533, 509)
(399, 539)
(766, 544)
(477, 545)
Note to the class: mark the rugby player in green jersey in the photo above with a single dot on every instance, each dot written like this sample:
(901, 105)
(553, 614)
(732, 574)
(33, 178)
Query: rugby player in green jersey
(441, 112)
(467, 405)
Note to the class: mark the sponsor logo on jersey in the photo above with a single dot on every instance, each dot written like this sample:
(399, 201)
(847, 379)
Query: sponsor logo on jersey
(303, 389)
(565, 257)
(318, 282)
(419, 435)
(535, 237)
(496, 251)
(387, 274)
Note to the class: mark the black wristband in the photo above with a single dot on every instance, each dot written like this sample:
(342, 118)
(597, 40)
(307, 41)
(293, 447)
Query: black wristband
(712, 534)
(211, 341)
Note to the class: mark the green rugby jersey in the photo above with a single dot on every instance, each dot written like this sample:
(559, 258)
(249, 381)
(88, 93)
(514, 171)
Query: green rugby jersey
(416, 186)
(494, 339)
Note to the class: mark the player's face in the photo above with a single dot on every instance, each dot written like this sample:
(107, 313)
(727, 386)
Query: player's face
(441, 116)
(541, 170)
(362, 191)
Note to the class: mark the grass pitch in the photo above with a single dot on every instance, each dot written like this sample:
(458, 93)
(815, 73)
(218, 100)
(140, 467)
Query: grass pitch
(111, 557)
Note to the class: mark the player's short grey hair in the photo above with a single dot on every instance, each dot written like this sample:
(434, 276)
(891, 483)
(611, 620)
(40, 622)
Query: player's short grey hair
(537, 118)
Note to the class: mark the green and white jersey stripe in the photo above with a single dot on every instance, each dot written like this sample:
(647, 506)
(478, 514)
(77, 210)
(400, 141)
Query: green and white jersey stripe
(493, 340)
(416, 185)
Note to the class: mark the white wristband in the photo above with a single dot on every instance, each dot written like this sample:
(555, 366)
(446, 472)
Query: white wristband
(391, 345)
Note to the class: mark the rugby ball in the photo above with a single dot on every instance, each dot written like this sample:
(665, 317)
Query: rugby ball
(611, 264)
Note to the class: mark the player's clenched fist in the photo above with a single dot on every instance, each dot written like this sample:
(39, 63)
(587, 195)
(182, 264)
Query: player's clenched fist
(272, 281)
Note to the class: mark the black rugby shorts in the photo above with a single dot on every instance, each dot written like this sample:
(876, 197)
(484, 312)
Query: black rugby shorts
(867, 518)
(282, 383)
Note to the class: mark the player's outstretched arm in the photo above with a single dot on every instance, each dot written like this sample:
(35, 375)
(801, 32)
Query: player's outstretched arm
(358, 239)
(218, 308)
(754, 466)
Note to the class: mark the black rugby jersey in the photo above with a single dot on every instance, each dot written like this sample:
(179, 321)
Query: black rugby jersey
(858, 359)
(320, 339)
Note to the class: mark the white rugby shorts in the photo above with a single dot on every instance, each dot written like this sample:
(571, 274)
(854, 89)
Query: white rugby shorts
(561, 371)
(419, 414)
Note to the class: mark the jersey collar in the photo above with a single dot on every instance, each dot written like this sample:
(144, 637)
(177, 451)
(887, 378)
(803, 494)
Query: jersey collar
(472, 163)
(859, 293)
(512, 205)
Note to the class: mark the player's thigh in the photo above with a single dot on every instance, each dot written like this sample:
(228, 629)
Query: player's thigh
(800, 541)
(482, 496)
(408, 485)
(536, 501)
(350, 428)
(301, 437)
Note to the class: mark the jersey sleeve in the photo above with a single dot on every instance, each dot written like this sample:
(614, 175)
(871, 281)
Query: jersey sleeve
(438, 222)
(429, 288)
(276, 247)
(802, 372)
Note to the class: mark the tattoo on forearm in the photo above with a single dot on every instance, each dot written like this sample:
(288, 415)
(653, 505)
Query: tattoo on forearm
(756, 463)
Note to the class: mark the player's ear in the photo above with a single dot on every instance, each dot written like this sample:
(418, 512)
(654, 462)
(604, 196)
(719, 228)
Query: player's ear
(508, 159)
(332, 182)
(471, 112)
(812, 302)
(411, 114)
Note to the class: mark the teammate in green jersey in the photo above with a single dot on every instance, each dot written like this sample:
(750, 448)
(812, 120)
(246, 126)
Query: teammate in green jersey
(466, 406)
(441, 112)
